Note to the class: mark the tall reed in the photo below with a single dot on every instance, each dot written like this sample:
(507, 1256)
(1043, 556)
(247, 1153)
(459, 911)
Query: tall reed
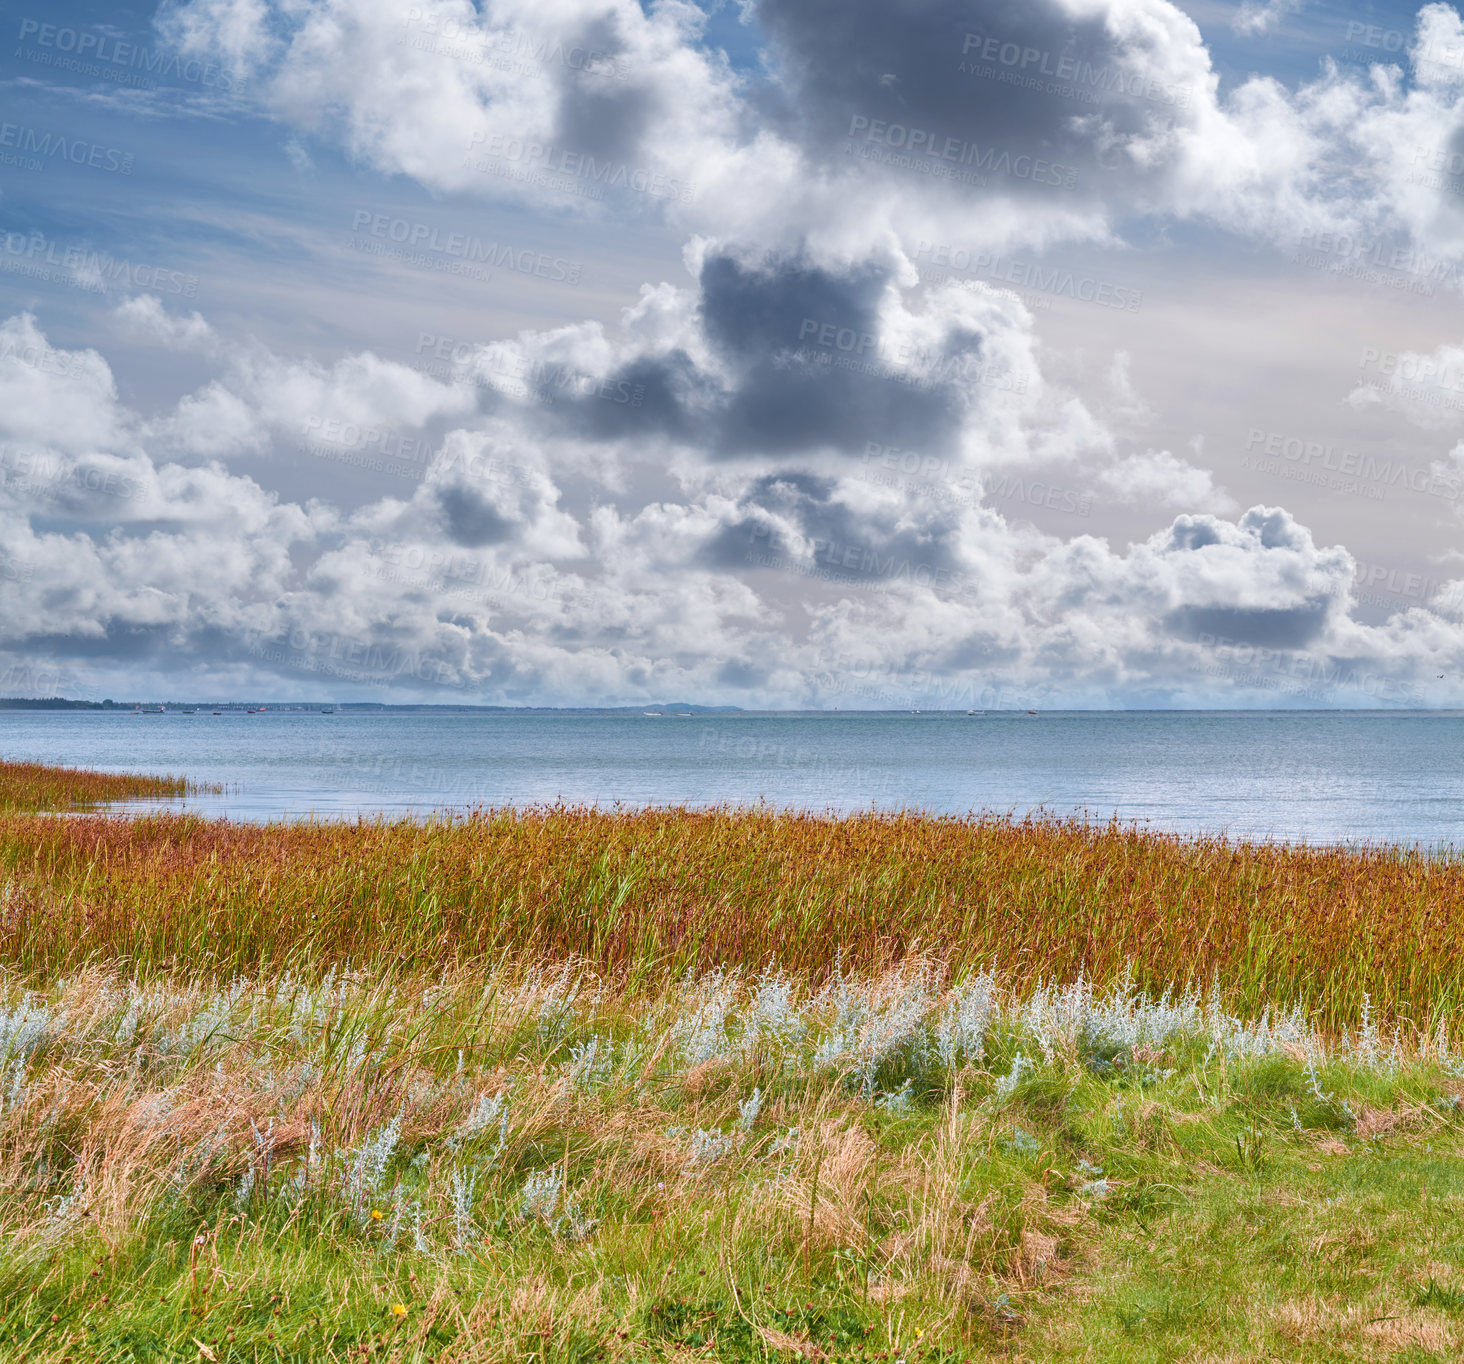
(669, 889)
(34, 786)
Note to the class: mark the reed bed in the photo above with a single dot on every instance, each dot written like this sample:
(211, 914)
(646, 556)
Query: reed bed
(34, 786)
(1330, 930)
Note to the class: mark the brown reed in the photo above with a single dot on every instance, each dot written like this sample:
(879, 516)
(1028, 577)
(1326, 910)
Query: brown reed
(647, 892)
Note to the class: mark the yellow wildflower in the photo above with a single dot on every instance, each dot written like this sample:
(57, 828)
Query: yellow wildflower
(398, 1309)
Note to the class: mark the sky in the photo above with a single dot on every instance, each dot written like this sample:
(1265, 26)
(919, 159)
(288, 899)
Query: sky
(769, 353)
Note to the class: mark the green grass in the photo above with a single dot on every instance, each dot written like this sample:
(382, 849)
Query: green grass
(1193, 1196)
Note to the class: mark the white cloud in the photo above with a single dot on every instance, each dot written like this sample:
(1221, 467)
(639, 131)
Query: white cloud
(1160, 479)
(773, 476)
(907, 110)
(1258, 17)
(750, 580)
(144, 316)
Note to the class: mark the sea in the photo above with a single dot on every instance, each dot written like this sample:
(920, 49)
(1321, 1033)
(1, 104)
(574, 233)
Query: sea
(1324, 777)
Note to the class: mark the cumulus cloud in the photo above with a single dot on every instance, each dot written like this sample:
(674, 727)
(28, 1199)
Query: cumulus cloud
(498, 99)
(144, 316)
(754, 580)
(1158, 478)
(63, 399)
(772, 357)
(1059, 120)
(787, 477)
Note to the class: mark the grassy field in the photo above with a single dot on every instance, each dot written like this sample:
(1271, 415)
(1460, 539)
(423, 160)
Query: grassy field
(736, 1087)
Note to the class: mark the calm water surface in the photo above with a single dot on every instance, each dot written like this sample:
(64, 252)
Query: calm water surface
(1317, 776)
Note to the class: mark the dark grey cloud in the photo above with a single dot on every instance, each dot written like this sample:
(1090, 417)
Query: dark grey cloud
(1021, 77)
(1293, 627)
(605, 107)
(802, 361)
(470, 518)
(793, 519)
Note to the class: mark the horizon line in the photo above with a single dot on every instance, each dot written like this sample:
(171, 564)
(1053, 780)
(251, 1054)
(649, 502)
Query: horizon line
(669, 709)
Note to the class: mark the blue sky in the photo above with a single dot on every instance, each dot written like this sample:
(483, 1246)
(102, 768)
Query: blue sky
(598, 352)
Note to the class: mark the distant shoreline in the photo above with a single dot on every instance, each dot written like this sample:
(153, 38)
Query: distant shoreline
(671, 709)
(61, 703)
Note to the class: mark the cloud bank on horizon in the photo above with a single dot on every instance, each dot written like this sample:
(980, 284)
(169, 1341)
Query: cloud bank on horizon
(1085, 352)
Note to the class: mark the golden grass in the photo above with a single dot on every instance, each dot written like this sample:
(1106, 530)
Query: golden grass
(641, 893)
(34, 786)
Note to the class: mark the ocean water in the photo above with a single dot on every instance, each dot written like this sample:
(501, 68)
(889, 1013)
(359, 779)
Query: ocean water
(1314, 776)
